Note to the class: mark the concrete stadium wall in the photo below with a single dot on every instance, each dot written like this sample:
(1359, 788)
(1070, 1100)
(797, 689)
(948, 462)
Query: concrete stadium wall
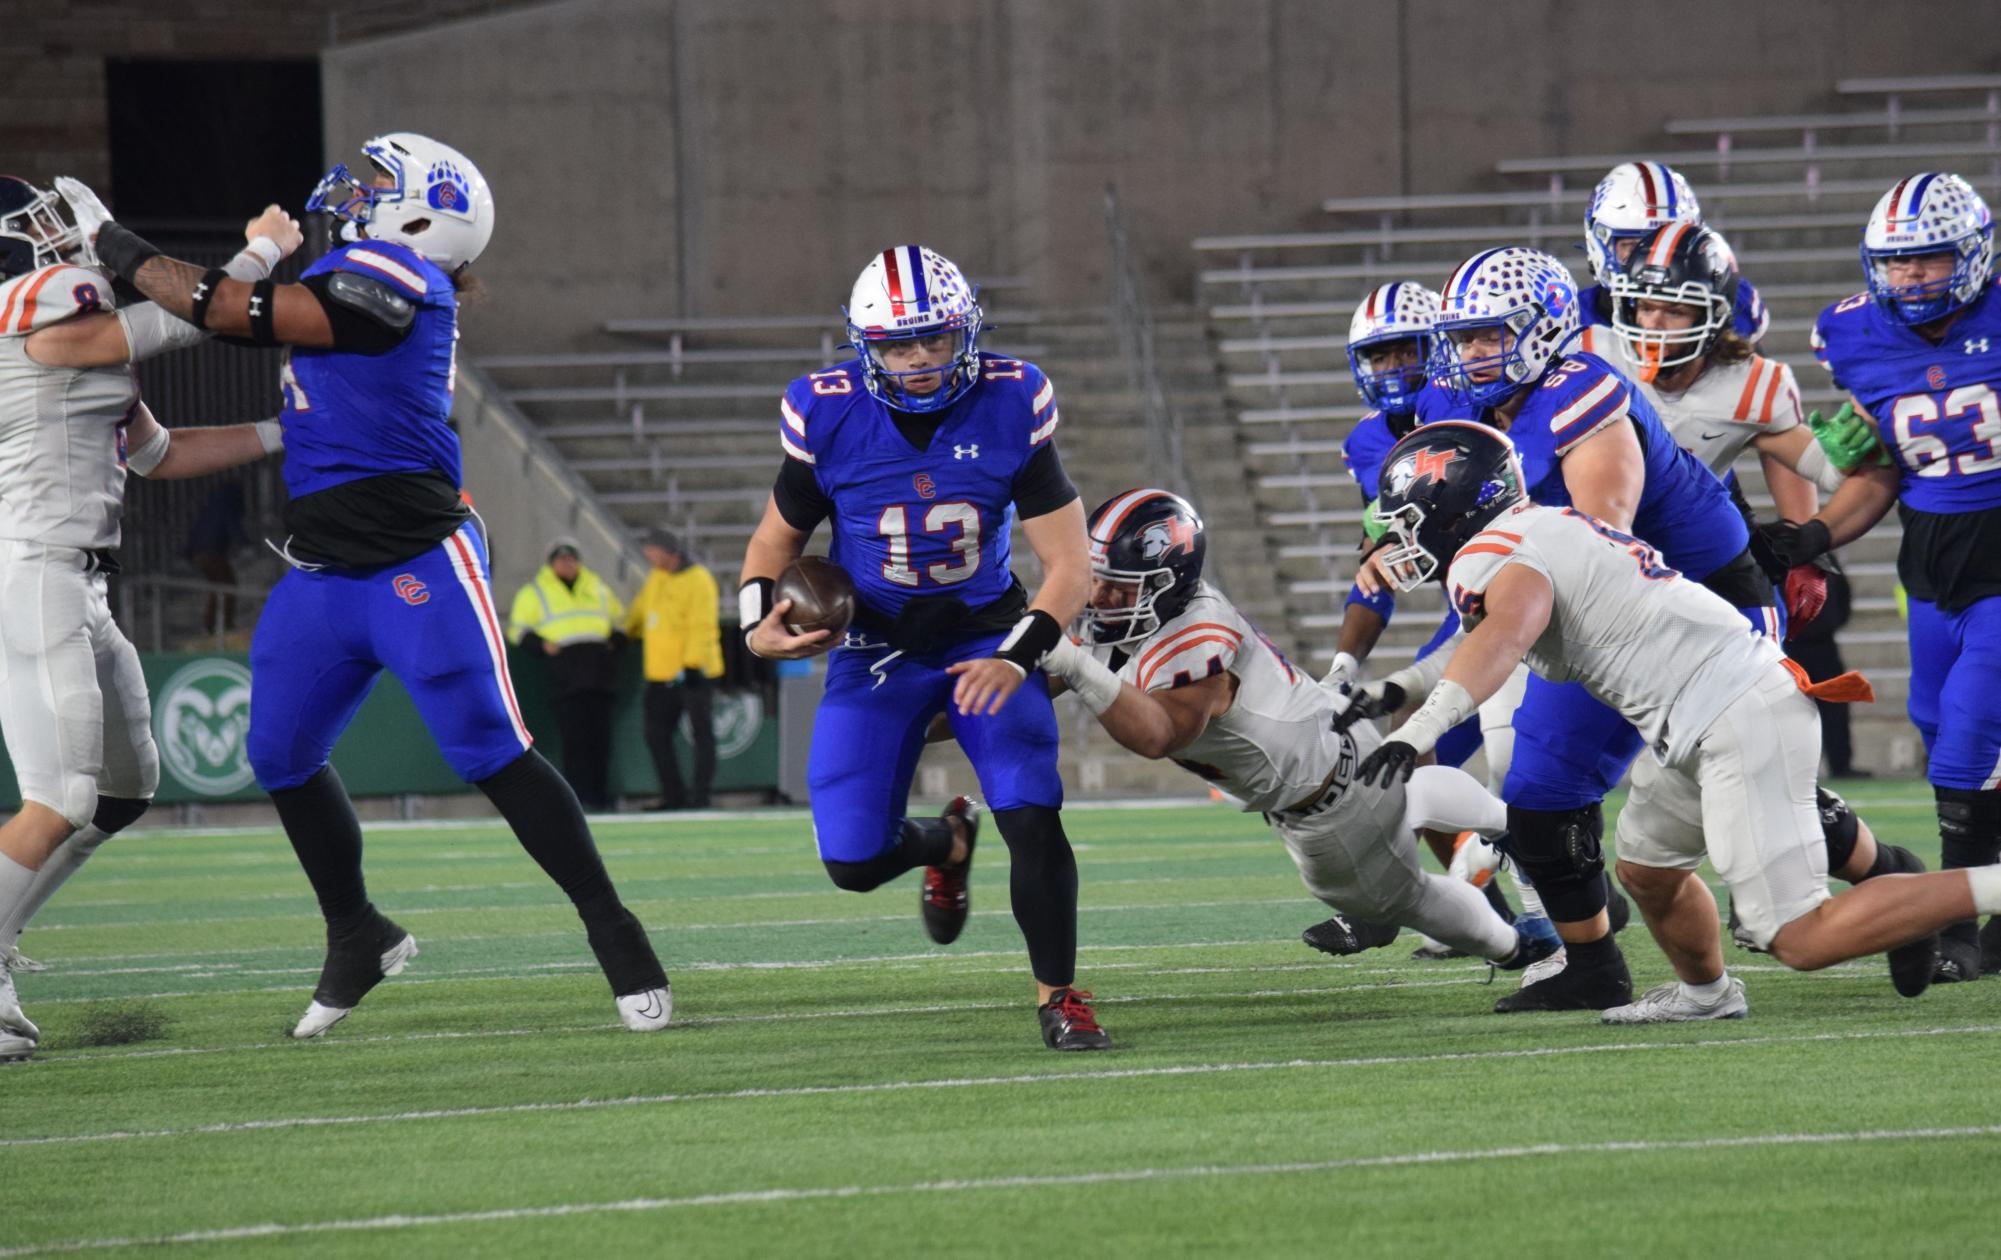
(714, 157)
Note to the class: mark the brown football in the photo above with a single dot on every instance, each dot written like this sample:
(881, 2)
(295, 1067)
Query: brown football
(822, 595)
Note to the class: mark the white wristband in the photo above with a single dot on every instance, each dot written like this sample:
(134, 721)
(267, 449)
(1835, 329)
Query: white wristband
(259, 256)
(1815, 466)
(145, 457)
(1097, 686)
(1449, 705)
(270, 434)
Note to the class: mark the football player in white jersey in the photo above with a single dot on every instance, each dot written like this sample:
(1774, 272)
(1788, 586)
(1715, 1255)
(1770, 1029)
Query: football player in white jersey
(1187, 677)
(73, 702)
(1725, 714)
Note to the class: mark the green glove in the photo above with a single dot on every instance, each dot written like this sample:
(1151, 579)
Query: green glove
(1849, 439)
(1373, 524)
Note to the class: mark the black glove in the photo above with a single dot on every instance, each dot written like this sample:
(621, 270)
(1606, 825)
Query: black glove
(1780, 545)
(1392, 763)
(1372, 700)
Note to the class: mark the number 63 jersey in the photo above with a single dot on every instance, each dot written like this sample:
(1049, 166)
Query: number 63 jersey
(910, 522)
(1936, 408)
(1668, 653)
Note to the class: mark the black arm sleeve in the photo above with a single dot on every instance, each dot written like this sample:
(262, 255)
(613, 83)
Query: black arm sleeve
(1042, 486)
(799, 497)
(367, 317)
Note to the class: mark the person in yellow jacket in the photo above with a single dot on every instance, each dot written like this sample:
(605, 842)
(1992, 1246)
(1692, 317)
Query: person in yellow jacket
(569, 614)
(676, 615)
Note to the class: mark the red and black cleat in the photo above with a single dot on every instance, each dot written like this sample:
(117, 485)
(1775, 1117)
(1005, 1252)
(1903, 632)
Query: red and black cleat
(1069, 1023)
(944, 901)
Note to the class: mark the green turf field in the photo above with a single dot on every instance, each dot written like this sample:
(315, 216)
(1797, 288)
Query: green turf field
(834, 1085)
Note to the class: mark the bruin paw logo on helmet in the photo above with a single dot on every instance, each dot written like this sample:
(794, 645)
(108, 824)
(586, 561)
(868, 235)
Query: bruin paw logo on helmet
(447, 190)
(1556, 296)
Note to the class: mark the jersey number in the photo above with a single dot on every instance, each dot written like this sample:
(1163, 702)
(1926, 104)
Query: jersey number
(831, 381)
(295, 394)
(1928, 455)
(1649, 560)
(999, 369)
(894, 526)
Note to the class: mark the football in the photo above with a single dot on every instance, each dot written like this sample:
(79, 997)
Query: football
(822, 595)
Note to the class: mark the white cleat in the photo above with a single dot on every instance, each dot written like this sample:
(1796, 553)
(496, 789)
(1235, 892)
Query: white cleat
(1667, 1004)
(12, 1018)
(648, 1011)
(12, 959)
(319, 1017)
(1539, 971)
(15, 1049)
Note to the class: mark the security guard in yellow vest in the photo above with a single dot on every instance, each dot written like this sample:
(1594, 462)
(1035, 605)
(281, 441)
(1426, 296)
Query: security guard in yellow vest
(571, 615)
(676, 613)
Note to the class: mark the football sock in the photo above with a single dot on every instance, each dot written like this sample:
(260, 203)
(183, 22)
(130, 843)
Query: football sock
(1892, 859)
(1441, 798)
(114, 814)
(320, 822)
(1456, 913)
(1707, 994)
(15, 881)
(1602, 952)
(1042, 882)
(543, 812)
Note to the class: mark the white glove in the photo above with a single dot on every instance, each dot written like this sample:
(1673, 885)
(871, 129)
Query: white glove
(1341, 678)
(84, 206)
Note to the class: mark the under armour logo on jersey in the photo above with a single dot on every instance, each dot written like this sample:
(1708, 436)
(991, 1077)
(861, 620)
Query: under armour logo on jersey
(1976, 345)
(410, 589)
(966, 452)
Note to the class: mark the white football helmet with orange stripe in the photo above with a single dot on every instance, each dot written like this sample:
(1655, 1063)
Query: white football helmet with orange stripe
(911, 293)
(1147, 548)
(1632, 200)
(436, 202)
(33, 231)
(1929, 214)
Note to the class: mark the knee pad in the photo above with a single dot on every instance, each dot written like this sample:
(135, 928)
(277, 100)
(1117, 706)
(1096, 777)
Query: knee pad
(1969, 827)
(1838, 826)
(1562, 853)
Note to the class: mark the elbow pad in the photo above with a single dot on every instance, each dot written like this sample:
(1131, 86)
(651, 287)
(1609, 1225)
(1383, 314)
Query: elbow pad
(146, 457)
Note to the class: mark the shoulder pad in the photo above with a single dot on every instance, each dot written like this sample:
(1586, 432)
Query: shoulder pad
(1582, 395)
(379, 300)
(387, 260)
(50, 295)
(1200, 643)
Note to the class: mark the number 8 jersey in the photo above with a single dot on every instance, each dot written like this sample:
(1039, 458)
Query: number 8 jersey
(910, 522)
(1936, 408)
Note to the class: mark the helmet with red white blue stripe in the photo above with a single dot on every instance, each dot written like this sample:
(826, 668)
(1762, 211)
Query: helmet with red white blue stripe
(1394, 312)
(1632, 200)
(1527, 295)
(911, 293)
(1931, 213)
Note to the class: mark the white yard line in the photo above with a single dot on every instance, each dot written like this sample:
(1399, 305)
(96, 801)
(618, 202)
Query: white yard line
(1200, 1172)
(976, 1082)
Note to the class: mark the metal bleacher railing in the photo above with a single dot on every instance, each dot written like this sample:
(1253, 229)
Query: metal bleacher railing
(1279, 303)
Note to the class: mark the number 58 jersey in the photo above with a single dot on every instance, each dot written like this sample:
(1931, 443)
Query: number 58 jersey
(910, 522)
(1935, 405)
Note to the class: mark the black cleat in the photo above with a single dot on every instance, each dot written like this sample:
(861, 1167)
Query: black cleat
(1958, 960)
(1340, 937)
(1913, 966)
(1069, 1023)
(356, 962)
(1990, 946)
(944, 900)
(1575, 988)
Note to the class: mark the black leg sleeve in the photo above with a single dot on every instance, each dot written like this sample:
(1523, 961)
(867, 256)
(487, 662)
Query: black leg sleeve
(1042, 879)
(549, 823)
(919, 842)
(320, 822)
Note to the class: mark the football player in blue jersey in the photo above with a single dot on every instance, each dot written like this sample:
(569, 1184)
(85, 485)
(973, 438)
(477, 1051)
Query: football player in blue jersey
(920, 453)
(389, 565)
(1586, 439)
(1919, 352)
(1631, 201)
